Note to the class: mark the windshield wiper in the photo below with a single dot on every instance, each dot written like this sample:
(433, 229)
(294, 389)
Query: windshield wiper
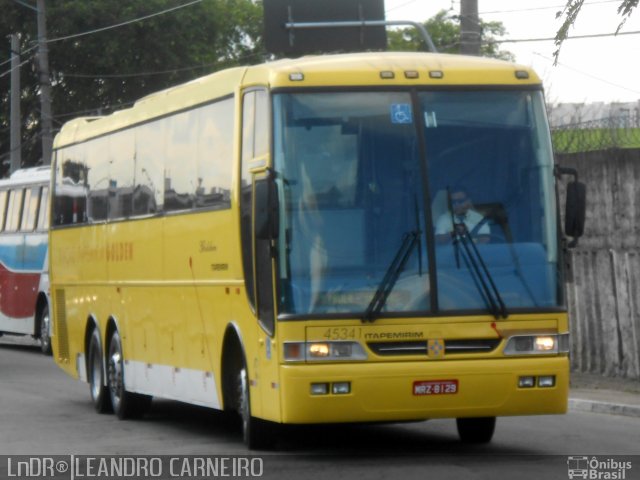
(476, 266)
(409, 242)
(481, 275)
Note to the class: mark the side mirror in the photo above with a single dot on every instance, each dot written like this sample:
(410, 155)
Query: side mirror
(575, 210)
(266, 208)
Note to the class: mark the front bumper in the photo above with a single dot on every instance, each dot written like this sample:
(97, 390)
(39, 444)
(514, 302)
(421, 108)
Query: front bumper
(384, 391)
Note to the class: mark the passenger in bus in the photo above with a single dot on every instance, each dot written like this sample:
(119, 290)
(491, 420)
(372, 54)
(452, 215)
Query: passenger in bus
(462, 214)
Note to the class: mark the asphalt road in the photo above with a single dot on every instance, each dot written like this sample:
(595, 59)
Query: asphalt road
(45, 412)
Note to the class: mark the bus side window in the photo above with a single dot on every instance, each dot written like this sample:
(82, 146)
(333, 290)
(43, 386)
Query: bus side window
(215, 154)
(246, 193)
(43, 211)
(14, 210)
(255, 144)
(3, 208)
(31, 199)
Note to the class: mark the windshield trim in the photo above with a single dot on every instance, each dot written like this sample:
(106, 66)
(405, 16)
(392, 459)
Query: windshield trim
(294, 317)
(408, 88)
(434, 311)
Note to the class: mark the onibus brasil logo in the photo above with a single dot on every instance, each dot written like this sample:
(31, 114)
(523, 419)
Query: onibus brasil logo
(596, 468)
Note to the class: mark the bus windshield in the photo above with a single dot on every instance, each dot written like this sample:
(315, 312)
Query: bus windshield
(367, 177)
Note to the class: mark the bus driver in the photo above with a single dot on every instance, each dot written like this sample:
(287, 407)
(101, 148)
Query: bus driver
(462, 213)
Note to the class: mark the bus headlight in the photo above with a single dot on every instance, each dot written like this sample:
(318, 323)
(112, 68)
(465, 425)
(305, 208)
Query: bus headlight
(323, 351)
(537, 344)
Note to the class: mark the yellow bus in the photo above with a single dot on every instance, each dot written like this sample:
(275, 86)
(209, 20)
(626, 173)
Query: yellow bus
(357, 237)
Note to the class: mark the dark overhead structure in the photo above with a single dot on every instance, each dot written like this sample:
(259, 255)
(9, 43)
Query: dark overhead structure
(298, 27)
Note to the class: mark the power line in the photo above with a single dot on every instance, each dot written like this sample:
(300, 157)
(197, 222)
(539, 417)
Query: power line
(7, 72)
(140, 74)
(6, 61)
(241, 58)
(588, 74)
(551, 7)
(128, 22)
(575, 37)
(401, 5)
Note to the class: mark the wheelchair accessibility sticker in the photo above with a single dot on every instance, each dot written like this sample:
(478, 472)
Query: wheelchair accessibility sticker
(401, 113)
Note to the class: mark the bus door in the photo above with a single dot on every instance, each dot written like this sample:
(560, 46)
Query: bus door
(260, 270)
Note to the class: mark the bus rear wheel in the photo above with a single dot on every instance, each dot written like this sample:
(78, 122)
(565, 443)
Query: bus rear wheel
(476, 430)
(256, 433)
(125, 404)
(95, 374)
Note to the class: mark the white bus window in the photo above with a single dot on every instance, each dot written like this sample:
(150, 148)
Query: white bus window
(30, 210)
(3, 208)
(14, 210)
(43, 211)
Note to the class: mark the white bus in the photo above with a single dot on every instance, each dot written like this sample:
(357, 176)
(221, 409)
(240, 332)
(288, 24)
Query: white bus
(24, 276)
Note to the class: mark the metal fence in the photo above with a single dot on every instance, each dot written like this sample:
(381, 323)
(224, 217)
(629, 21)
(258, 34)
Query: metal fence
(602, 134)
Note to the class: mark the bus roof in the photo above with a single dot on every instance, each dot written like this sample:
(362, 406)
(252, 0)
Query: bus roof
(344, 70)
(27, 176)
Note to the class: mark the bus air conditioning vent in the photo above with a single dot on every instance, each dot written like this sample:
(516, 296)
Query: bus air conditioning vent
(452, 347)
(62, 334)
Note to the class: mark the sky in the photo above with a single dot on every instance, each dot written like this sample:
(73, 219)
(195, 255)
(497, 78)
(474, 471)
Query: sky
(589, 70)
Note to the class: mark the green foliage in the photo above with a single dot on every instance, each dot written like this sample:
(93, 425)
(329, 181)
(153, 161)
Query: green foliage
(445, 33)
(108, 70)
(571, 11)
(577, 140)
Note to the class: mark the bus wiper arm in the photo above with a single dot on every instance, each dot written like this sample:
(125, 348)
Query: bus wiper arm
(409, 242)
(478, 267)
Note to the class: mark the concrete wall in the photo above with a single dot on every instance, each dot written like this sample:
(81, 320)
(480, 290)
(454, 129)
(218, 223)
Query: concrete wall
(603, 285)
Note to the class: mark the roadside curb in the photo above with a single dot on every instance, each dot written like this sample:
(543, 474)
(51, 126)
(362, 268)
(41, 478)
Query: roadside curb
(582, 405)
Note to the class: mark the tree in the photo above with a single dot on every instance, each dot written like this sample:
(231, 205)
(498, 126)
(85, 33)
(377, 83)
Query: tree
(444, 30)
(108, 69)
(570, 13)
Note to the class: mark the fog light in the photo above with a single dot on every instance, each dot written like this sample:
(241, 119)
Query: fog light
(527, 382)
(341, 388)
(547, 381)
(319, 388)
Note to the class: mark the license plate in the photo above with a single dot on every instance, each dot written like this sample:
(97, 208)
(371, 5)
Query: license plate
(435, 387)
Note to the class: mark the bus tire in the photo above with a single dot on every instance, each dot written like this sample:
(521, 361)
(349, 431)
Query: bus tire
(125, 404)
(44, 325)
(476, 430)
(256, 433)
(95, 375)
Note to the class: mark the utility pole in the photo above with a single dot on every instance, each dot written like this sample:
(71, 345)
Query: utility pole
(15, 118)
(470, 30)
(45, 86)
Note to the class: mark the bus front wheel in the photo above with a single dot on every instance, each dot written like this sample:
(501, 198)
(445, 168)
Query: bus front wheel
(125, 404)
(44, 322)
(256, 433)
(95, 374)
(476, 430)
